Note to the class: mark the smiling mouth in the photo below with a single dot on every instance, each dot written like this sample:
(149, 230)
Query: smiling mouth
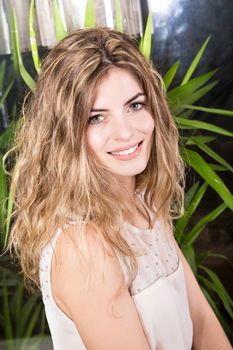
(128, 151)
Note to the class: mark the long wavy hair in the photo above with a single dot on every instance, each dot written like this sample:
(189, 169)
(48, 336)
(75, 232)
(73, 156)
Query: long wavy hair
(57, 178)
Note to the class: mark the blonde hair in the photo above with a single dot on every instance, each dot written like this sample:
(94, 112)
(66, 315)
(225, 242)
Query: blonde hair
(57, 178)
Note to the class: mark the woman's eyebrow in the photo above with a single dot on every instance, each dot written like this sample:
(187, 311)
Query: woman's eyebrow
(99, 110)
(135, 96)
(126, 103)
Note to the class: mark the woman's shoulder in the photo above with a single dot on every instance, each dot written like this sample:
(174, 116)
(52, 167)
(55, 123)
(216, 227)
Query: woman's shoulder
(95, 303)
(73, 259)
(80, 236)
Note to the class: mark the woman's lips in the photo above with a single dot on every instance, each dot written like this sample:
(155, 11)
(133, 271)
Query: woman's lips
(124, 148)
(133, 152)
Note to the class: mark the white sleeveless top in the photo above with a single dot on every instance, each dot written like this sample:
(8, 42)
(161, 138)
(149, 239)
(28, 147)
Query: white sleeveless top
(158, 291)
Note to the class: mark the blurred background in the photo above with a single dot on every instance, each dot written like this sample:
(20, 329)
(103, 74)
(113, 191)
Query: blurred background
(179, 29)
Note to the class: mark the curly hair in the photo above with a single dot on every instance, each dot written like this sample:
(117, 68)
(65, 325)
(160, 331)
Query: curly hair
(57, 179)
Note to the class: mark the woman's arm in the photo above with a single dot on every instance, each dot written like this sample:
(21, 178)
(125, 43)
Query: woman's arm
(91, 311)
(208, 333)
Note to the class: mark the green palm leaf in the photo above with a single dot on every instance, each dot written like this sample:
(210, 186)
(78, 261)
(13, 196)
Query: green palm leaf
(189, 195)
(16, 308)
(119, 22)
(17, 58)
(169, 76)
(217, 255)
(196, 124)
(26, 311)
(183, 221)
(207, 173)
(212, 301)
(32, 36)
(206, 288)
(34, 318)
(6, 136)
(177, 109)
(180, 92)
(217, 167)
(145, 44)
(6, 92)
(201, 224)
(218, 287)
(209, 110)
(60, 29)
(6, 311)
(195, 62)
(192, 140)
(212, 154)
(186, 114)
(2, 74)
(89, 21)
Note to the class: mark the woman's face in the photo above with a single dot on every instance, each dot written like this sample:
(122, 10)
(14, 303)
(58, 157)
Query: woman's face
(120, 127)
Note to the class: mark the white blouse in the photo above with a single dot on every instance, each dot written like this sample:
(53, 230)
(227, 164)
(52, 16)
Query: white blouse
(158, 291)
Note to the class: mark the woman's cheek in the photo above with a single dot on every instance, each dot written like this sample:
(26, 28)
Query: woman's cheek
(148, 123)
(95, 138)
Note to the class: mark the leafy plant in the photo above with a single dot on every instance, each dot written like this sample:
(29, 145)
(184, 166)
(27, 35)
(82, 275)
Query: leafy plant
(22, 316)
(209, 282)
(3, 95)
(90, 15)
(119, 21)
(21, 313)
(4, 141)
(32, 35)
(182, 101)
(58, 22)
(17, 57)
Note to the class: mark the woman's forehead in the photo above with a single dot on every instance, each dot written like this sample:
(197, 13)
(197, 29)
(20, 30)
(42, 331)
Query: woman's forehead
(116, 81)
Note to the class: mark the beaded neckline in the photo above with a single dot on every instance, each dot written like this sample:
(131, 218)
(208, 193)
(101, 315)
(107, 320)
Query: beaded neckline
(140, 229)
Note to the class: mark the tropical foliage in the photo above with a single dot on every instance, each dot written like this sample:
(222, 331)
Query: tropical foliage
(21, 312)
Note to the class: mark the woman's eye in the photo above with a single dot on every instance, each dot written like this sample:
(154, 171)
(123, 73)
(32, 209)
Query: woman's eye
(95, 119)
(136, 106)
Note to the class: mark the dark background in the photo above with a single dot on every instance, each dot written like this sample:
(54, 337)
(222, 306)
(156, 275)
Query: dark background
(179, 33)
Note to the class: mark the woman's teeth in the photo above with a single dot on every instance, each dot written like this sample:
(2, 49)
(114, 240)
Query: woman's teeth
(126, 152)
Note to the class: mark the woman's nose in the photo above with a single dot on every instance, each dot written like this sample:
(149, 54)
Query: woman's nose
(121, 127)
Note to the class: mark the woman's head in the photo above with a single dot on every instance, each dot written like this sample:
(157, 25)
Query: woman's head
(120, 127)
(67, 85)
(67, 89)
(60, 174)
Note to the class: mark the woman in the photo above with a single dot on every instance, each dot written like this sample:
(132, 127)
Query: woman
(98, 181)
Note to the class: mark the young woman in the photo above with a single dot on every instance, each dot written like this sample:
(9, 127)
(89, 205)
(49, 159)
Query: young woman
(98, 181)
